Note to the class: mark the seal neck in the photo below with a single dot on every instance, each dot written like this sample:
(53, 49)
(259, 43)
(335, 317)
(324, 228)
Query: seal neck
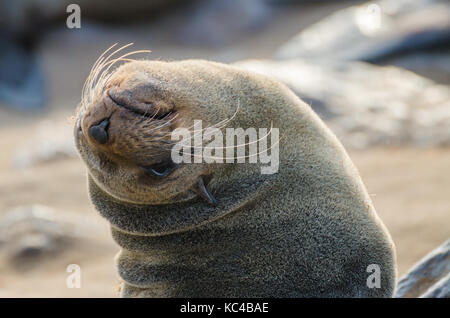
(158, 220)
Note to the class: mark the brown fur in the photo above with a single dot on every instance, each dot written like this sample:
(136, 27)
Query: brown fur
(308, 231)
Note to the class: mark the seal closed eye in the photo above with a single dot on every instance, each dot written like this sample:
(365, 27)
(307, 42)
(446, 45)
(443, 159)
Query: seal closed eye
(146, 109)
(224, 229)
(161, 169)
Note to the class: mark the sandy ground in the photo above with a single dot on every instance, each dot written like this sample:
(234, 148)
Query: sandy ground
(410, 187)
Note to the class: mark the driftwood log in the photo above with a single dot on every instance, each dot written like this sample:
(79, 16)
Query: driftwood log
(429, 278)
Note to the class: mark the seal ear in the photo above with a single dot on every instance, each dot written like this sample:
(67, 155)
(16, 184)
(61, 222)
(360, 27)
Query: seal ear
(136, 101)
(201, 190)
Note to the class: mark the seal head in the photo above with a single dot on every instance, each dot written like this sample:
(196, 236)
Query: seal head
(217, 229)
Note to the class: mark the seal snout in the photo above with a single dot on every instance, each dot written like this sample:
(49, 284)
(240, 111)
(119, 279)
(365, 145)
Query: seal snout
(99, 132)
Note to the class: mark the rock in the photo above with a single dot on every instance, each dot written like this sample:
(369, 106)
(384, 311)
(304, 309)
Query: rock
(31, 234)
(52, 141)
(434, 64)
(367, 105)
(372, 31)
(414, 34)
(430, 277)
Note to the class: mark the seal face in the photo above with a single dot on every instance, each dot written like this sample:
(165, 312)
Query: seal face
(123, 134)
(225, 230)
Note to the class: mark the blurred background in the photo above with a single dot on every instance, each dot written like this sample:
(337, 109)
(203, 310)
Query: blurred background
(377, 73)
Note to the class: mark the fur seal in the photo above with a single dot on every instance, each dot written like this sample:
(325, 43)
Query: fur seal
(224, 230)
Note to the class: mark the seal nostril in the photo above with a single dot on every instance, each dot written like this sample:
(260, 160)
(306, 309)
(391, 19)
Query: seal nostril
(98, 132)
